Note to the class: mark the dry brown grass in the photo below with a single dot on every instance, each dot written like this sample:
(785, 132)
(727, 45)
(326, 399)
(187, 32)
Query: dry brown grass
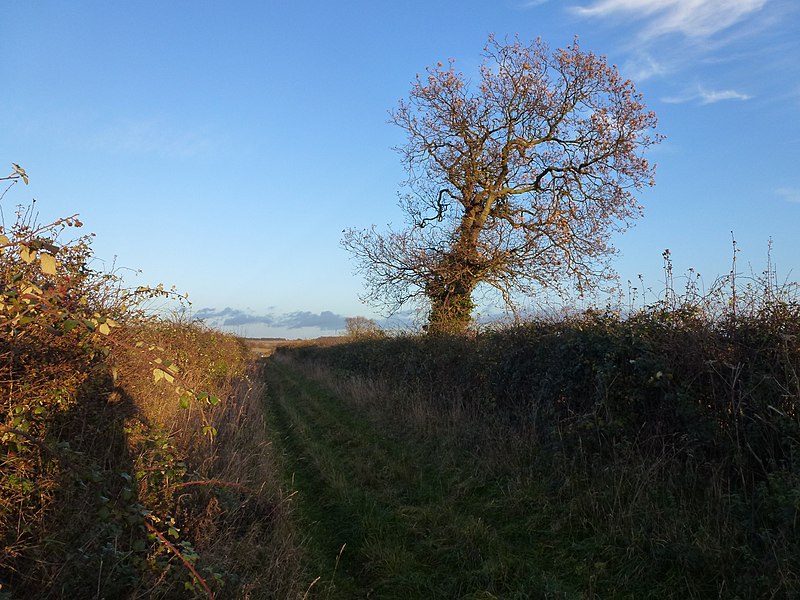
(134, 457)
(121, 457)
(230, 502)
(265, 347)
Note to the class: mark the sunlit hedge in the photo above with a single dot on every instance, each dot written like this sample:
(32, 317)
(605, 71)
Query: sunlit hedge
(131, 446)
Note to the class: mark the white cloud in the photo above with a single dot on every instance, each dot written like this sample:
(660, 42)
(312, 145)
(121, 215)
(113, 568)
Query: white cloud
(234, 317)
(693, 18)
(704, 96)
(712, 96)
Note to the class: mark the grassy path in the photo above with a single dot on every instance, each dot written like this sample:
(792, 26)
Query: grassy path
(388, 517)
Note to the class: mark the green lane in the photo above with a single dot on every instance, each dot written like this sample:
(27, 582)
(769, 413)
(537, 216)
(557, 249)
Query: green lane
(387, 516)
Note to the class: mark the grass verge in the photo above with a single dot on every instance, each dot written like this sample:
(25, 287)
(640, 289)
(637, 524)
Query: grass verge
(390, 513)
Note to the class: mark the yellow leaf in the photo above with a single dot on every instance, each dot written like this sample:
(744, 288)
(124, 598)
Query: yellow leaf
(48, 263)
(32, 289)
(19, 171)
(4, 241)
(104, 329)
(26, 254)
(159, 374)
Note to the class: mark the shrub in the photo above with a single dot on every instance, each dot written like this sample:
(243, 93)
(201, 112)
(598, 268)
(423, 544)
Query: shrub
(112, 473)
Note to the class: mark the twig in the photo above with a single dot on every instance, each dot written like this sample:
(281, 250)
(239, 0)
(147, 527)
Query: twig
(177, 553)
(215, 482)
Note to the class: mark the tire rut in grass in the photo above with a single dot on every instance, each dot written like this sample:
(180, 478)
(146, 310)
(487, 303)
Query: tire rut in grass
(412, 527)
(351, 485)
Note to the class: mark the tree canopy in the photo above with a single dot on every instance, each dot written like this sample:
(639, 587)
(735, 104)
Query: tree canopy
(516, 181)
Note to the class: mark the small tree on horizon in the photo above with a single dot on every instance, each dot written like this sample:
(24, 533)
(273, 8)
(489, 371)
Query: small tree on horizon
(363, 327)
(516, 182)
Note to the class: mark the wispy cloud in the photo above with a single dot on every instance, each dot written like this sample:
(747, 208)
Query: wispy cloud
(790, 194)
(693, 18)
(644, 66)
(705, 96)
(233, 317)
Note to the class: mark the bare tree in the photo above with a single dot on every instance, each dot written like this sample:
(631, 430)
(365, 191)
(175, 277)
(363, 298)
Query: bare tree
(516, 182)
(363, 328)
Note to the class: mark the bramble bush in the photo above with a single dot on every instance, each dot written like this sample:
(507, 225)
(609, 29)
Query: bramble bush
(112, 477)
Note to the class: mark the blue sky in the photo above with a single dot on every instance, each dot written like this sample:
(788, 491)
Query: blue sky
(223, 147)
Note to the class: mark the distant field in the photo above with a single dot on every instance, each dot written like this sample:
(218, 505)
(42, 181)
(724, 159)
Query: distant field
(266, 346)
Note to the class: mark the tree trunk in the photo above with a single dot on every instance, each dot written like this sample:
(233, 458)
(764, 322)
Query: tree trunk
(451, 294)
(451, 311)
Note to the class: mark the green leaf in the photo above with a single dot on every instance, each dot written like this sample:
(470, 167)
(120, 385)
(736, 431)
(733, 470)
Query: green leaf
(184, 401)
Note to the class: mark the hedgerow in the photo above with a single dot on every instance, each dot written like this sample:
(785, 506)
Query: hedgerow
(672, 429)
(121, 436)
